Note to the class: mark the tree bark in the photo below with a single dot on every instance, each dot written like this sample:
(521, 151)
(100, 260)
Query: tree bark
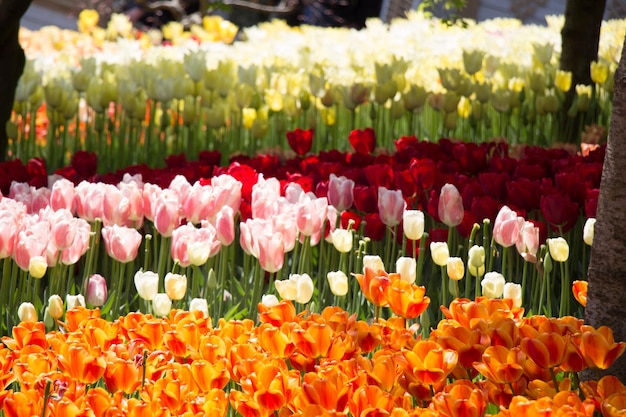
(13, 60)
(606, 276)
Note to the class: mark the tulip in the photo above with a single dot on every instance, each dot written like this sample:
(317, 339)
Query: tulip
(73, 301)
(373, 262)
(407, 300)
(199, 304)
(391, 206)
(27, 313)
(96, 290)
(338, 283)
(121, 243)
(514, 292)
(588, 230)
(455, 268)
(147, 284)
(476, 256)
(37, 266)
(559, 249)
(269, 300)
(579, 289)
(287, 289)
(440, 253)
(407, 268)
(55, 306)
(340, 192)
(342, 240)
(161, 304)
(492, 285)
(175, 286)
(413, 224)
(506, 227)
(450, 207)
(305, 287)
(528, 242)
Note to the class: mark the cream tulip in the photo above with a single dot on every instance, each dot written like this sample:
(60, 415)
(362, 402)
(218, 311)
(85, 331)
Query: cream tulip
(161, 305)
(413, 224)
(147, 284)
(342, 240)
(588, 231)
(55, 306)
(27, 312)
(455, 268)
(175, 286)
(493, 285)
(199, 304)
(338, 283)
(559, 249)
(439, 252)
(407, 268)
(373, 262)
(514, 292)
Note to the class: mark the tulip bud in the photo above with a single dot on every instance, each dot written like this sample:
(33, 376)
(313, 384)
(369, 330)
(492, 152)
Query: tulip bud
(588, 231)
(342, 240)
(161, 305)
(305, 287)
(96, 290)
(476, 256)
(450, 207)
(373, 262)
(514, 292)
(407, 268)
(286, 289)
(599, 72)
(493, 285)
(543, 53)
(563, 80)
(473, 61)
(413, 224)
(26, 312)
(559, 249)
(269, 300)
(455, 268)
(175, 286)
(439, 252)
(73, 301)
(199, 304)
(55, 307)
(48, 321)
(147, 284)
(338, 282)
(37, 266)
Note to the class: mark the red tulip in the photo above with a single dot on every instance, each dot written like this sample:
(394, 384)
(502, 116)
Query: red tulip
(363, 141)
(300, 140)
(366, 199)
(423, 172)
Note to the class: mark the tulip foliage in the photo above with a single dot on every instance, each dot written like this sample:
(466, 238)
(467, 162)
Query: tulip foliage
(484, 358)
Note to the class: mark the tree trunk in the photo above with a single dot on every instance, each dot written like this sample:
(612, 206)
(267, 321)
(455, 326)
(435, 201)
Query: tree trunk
(12, 57)
(606, 304)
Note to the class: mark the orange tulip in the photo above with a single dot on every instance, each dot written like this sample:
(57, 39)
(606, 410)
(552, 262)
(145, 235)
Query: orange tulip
(150, 333)
(283, 312)
(28, 367)
(175, 343)
(501, 365)
(245, 405)
(330, 390)
(74, 317)
(579, 289)
(276, 340)
(614, 405)
(100, 332)
(209, 376)
(547, 349)
(80, 364)
(64, 408)
(366, 337)
(99, 400)
(598, 391)
(374, 285)
(215, 403)
(122, 375)
(599, 348)
(460, 399)
(272, 386)
(469, 313)
(213, 347)
(25, 334)
(22, 404)
(469, 344)
(381, 371)
(370, 400)
(314, 341)
(406, 300)
(429, 363)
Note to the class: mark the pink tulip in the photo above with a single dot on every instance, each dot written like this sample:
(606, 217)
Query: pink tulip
(293, 193)
(40, 199)
(121, 242)
(63, 195)
(11, 213)
(450, 206)
(227, 191)
(22, 192)
(32, 241)
(265, 193)
(199, 203)
(271, 251)
(340, 192)
(62, 228)
(391, 206)
(180, 186)
(286, 225)
(311, 217)
(166, 212)
(225, 225)
(115, 207)
(528, 242)
(80, 244)
(133, 192)
(89, 200)
(151, 193)
(96, 290)
(187, 237)
(507, 226)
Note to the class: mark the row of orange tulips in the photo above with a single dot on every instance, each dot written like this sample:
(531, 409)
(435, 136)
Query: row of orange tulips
(484, 358)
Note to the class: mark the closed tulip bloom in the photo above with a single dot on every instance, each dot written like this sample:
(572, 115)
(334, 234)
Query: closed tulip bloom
(27, 312)
(373, 262)
(340, 192)
(166, 212)
(439, 252)
(413, 224)
(391, 206)
(493, 285)
(55, 306)
(476, 256)
(161, 305)
(287, 289)
(338, 282)
(96, 290)
(559, 249)
(199, 304)
(342, 240)
(588, 231)
(269, 300)
(175, 286)
(37, 266)
(455, 268)
(305, 287)
(73, 301)
(147, 284)
(506, 227)
(528, 242)
(407, 268)
(225, 225)
(514, 292)
(121, 243)
(62, 195)
(450, 207)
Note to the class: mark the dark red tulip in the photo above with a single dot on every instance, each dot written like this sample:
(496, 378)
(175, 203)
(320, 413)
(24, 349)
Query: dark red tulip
(485, 207)
(300, 140)
(404, 181)
(348, 215)
(494, 184)
(363, 140)
(374, 227)
(36, 169)
(522, 193)
(379, 175)
(471, 157)
(366, 199)
(559, 211)
(85, 163)
(423, 172)
(591, 202)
